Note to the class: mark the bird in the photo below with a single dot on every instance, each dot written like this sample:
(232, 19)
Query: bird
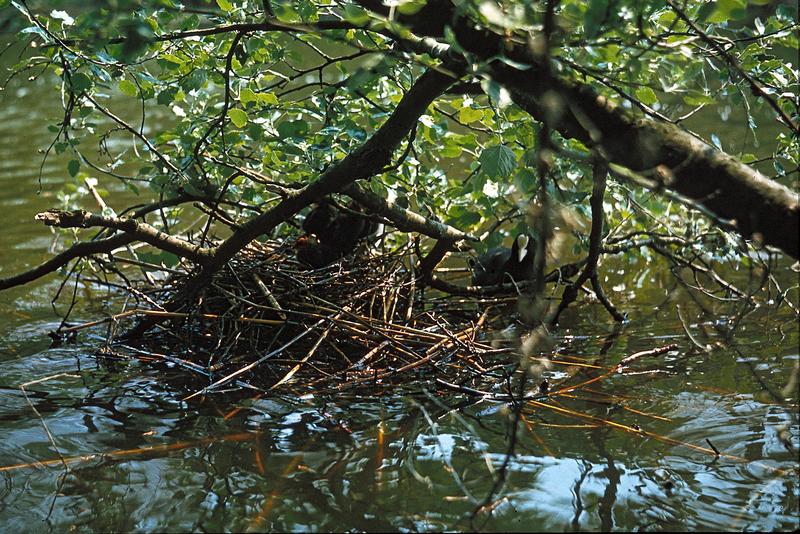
(310, 251)
(502, 264)
(332, 233)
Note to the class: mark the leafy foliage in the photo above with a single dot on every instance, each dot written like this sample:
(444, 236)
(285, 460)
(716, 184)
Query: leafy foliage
(289, 99)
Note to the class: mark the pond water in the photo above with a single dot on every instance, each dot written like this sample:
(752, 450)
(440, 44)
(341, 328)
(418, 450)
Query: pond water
(629, 452)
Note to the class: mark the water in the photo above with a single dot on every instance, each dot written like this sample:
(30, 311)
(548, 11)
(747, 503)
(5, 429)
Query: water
(623, 453)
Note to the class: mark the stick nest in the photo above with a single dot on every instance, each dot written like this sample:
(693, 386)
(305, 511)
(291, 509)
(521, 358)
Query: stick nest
(269, 323)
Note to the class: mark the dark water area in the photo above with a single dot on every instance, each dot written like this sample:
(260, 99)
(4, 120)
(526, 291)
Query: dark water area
(136, 457)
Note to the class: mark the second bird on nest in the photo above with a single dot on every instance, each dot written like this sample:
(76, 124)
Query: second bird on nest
(499, 265)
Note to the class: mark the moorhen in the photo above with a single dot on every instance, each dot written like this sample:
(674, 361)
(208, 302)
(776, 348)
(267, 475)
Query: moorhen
(491, 268)
(336, 233)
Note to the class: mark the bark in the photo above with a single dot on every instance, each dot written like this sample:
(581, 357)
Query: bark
(137, 230)
(404, 219)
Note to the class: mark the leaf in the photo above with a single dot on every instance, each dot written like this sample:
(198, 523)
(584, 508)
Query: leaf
(296, 128)
(450, 150)
(238, 117)
(411, 7)
(128, 87)
(225, 5)
(268, 98)
(80, 82)
(166, 96)
(498, 161)
(172, 58)
(355, 14)
(195, 80)
(727, 10)
(247, 95)
(463, 216)
(594, 17)
(468, 115)
(646, 95)
(697, 99)
(496, 92)
(73, 167)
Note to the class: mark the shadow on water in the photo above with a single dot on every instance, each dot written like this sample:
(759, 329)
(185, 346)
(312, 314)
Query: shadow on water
(138, 458)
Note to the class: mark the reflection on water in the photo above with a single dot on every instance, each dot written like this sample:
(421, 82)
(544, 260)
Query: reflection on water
(140, 459)
(153, 462)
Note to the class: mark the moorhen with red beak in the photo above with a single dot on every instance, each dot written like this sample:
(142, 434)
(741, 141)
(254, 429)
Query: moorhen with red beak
(336, 233)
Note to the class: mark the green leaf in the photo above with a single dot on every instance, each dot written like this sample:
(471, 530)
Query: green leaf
(646, 95)
(463, 216)
(73, 167)
(268, 98)
(80, 82)
(468, 115)
(238, 117)
(225, 5)
(247, 95)
(355, 14)
(727, 10)
(195, 80)
(697, 99)
(450, 150)
(496, 92)
(172, 58)
(498, 161)
(166, 96)
(411, 7)
(594, 17)
(128, 87)
(298, 128)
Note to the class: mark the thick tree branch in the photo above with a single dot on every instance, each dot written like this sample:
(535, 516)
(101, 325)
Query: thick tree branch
(403, 219)
(140, 231)
(762, 209)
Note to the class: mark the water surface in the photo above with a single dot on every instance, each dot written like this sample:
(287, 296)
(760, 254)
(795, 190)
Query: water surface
(141, 459)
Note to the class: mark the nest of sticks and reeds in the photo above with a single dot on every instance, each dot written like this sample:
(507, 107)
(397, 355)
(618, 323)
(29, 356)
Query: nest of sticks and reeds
(362, 325)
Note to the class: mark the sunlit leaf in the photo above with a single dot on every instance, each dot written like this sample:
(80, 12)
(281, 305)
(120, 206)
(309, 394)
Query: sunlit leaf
(646, 95)
(128, 88)
(238, 117)
(468, 115)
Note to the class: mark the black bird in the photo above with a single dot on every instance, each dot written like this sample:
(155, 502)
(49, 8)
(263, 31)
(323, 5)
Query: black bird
(491, 268)
(309, 250)
(336, 233)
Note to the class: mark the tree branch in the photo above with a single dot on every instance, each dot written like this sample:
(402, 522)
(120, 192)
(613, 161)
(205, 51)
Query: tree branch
(137, 230)
(59, 260)
(763, 209)
(404, 219)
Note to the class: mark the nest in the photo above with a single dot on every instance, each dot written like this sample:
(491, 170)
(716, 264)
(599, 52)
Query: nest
(269, 323)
